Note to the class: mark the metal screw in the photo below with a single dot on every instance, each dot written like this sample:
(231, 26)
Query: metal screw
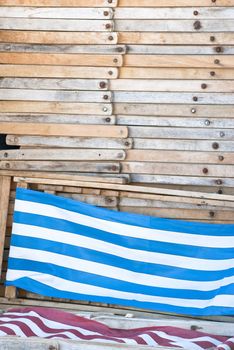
(105, 13)
(110, 72)
(7, 165)
(114, 168)
(105, 109)
(215, 145)
(102, 85)
(52, 347)
(212, 73)
(127, 144)
(105, 97)
(222, 134)
(108, 120)
(110, 38)
(221, 158)
(193, 110)
(110, 1)
(108, 26)
(220, 191)
(213, 0)
(5, 154)
(207, 122)
(219, 182)
(212, 38)
(195, 98)
(195, 13)
(218, 49)
(197, 25)
(205, 171)
(212, 214)
(120, 155)
(216, 61)
(120, 49)
(203, 86)
(115, 60)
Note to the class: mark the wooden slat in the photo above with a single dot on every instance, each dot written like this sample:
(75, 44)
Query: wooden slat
(171, 3)
(55, 107)
(177, 157)
(58, 3)
(162, 85)
(64, 130)
(69, 142)
(178, 169)
(176, 110)
(40, 71)
(5, 184)
(175, 73)
(61, 59)
(65, 12)
(100, 201)
(148, 25)
(182, 38)
(180, 49)
(63, 154)
(58, 37)
(195, 61)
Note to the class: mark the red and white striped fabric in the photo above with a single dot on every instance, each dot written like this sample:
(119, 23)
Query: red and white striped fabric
(51, 323)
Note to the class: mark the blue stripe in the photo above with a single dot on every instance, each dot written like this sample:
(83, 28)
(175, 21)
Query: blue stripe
(39, 288)
(113, 260)
(112, 283)
(127, 218)
(123, 241)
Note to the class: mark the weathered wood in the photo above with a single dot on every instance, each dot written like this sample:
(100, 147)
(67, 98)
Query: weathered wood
(58, 71)
(61, 59)
(63, 25)
(178, 169)
(179, 50)
(5, 184)
(64, 130)
(175, 157)
(58, 37)
(150, 97)
(176, 110)
(58, 118)
(195, 61)
(175, 73)
(55, 107)
(100, 201)
(55, 95)
(183, 38)
(70, 13)
(171, 3)
(69, 142)
(155, 85)
(67, 154)
(175, 133)
(58, 3)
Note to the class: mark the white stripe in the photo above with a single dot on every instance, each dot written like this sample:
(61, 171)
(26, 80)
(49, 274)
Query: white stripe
(126, 253)
(124, 229)
(224, 346)
(79, 288)
(115, 272)
(148, 339)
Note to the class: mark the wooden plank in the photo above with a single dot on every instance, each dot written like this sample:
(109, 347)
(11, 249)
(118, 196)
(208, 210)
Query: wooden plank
(54, 84)
(168, 13)
(55, 107)
(40, 71)
(58, 37)
(178, 169)
(148, 25)
(137, 37)
(175, 110)
(176, 133)
(141, 97)
(69, 142)
(61, 59)
(101, 48)
(175, 73)
(182, 145)
(62, 25)
(224, 123)
(171, 3)
(180, 49)
(195, 61)
(5, 184)
(64, 130)
(55, 95)
(68, 13)
(65, 154)
(181, 180)
(58, 118)
(175, 157)
(158, 85)
(63, 166)
(126, 188)
(97, 200)
(58, 3)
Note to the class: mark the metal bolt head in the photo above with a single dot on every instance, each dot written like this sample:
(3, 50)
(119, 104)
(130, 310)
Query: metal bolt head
(115, 60)
(215, 145)
(220, 191)
(110, 37)
(127, 144)
(108, 120)
(207, 122)
(221, 158)
(212, 38)
(105, 13)
(197, 25)
(195, 98)
(203, 86)
(212, 214)
(102, 85)
(193, 110)
(109, 1)
(195, 13)
(108, 26)
(218, 49)
(105, 97)
(105, 109)
(120, 49)
(114, 168)
(222, 134)
(212, 73)
(110, 72)
(213, 0)
(216, 61)
(205, 171)
(5, 154)
(7, 165)
(219, 182)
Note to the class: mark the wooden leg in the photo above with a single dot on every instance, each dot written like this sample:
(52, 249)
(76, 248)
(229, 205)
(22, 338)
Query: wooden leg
(5, 185)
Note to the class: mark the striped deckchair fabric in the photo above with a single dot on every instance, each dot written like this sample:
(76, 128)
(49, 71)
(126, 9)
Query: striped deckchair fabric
(67, 249)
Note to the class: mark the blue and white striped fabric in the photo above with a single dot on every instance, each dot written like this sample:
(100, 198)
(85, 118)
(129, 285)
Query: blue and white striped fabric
(67, 249)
